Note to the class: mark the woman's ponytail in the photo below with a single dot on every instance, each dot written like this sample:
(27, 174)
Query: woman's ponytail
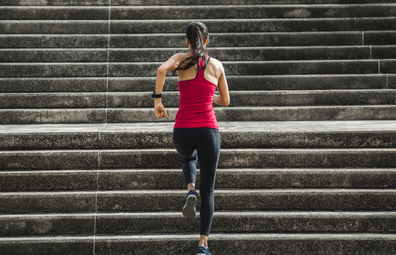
(196, 33)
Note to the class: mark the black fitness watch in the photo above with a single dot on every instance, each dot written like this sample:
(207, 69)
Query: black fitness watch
(156, 95)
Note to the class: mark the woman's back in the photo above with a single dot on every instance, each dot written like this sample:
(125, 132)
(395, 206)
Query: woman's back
(196, 97)
(212, 73)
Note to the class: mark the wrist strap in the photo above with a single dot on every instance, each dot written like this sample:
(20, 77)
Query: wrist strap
(156, 95)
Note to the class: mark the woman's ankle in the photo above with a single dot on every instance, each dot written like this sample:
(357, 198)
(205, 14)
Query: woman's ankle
(203, 241)
(190, 186)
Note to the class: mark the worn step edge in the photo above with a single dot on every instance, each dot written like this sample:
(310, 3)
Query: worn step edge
(297, 244)
(227, 200)
(171, 99)
(169, 158)
(198, 12)
(235, 83)
(296, 134)
(178, 26)
(73, 180)
(130, 115)
(223, 222)
(223, 54)
(217, 39)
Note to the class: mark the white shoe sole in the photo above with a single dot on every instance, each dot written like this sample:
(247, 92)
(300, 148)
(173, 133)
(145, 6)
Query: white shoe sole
(189, 208)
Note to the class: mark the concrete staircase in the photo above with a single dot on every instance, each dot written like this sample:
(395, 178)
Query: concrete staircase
(308, 161)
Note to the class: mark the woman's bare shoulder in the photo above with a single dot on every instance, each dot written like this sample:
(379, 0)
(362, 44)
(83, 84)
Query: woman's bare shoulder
(216, 64)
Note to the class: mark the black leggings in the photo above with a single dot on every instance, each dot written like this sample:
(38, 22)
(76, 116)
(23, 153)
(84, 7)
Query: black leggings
(203, 144)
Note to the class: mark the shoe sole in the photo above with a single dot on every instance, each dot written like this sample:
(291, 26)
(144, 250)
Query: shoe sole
(189, 208)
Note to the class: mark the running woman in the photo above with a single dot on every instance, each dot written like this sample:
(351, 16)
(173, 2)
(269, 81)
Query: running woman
(196, 133)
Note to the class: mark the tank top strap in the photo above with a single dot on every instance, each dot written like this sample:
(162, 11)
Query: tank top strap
(201, 64)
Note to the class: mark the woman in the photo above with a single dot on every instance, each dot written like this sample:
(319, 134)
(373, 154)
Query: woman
(196, 133)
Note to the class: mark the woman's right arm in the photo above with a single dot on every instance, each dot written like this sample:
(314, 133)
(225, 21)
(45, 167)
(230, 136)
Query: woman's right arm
(166, 67)
(224, 97)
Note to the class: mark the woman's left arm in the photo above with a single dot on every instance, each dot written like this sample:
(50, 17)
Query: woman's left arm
(165, 68)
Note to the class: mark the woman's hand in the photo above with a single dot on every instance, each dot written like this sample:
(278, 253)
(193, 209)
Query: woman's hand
(160, 111)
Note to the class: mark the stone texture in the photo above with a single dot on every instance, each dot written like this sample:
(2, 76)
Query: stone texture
(253, 200)
(271, 244)
(374, 10)
(48, 180)
(246, 25)
(53, 41)
(228, 2)
(59, 13)
(147, 69)
(254, 158)
(250, 53)
(53, 2)
(249, 222)
(301, 113)
(53, 69)
(54, 27)
(47, 245)
(256, 25)
(53, 100)
(251, 178)
(388, 65)
(48, 55)
(20, 85)
(365, 24)
(379, 38)
(239, 12)
(297, 134)
(381, 52)
(31, 202)
(247, 39)
(52, 116)
(48, 160)
(46, 224)
(391, 81)
(319, 134)
(271, 82)
(171, 99)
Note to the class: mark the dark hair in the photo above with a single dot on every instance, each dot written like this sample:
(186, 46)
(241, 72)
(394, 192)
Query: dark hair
(196, 33)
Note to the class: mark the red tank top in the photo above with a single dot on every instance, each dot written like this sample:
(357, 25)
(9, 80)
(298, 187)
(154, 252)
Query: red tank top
(196, 102)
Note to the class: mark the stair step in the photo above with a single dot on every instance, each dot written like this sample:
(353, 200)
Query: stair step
(47, 224)
(235, 83)
(149, 69)
(171, 3)
(249, 222)
(216, 39)
(126, 115)
(71, 245)
(57, 13)
(171, 99)
(300, 113)
(271, 244)
(242, 25)
(296, 134)
(144, 69)
(52, 116)
(298, 244)
(169, 158)
(223, 222)
(78, 180)
(178, 26)
(328, 134)
(223, 54)
(226, 200)
(196, 12)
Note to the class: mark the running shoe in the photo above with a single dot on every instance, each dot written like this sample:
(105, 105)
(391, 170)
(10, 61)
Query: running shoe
(203, 251)
(189, 209)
